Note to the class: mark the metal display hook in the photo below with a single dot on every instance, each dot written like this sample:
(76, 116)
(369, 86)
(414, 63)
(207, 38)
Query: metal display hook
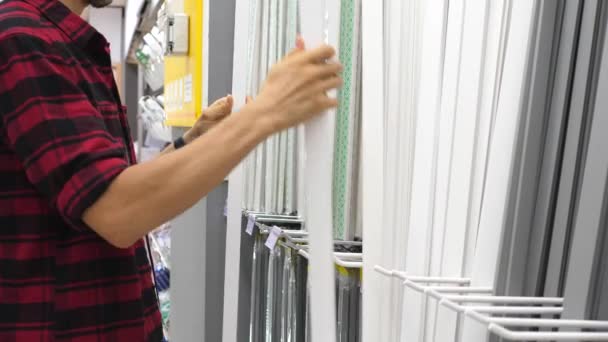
(458, 298)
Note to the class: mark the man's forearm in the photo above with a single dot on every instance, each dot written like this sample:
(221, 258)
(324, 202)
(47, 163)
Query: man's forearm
(147, 195)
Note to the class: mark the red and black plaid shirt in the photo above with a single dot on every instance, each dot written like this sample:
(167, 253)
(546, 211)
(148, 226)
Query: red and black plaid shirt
(63, 139)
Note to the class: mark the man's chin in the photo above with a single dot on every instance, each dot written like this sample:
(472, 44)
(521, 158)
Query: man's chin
(100, 3)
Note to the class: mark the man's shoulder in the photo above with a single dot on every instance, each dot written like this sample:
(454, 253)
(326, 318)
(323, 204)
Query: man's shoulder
(19, 15)
(24, 22)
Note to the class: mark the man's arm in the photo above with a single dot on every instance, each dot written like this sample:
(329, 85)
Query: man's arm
(143, 196)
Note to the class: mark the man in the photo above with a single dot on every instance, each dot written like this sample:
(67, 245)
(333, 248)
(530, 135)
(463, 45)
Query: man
(73, 205)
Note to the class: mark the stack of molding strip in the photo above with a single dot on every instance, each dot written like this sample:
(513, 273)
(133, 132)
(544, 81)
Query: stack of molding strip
(270, 170)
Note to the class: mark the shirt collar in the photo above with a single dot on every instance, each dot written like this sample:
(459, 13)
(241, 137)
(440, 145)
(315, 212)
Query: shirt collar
(79, 31)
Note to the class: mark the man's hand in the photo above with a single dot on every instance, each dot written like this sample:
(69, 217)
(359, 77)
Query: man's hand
(210, 117)
(296, 89)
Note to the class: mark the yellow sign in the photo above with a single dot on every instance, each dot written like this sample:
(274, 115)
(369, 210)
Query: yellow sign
(184, 74)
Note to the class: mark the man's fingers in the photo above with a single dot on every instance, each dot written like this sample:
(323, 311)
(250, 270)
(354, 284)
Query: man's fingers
(325, 70)
(318, 55)
(326, 85)
(300, 47)
(300, 44)
(324, 102)
(220, 109)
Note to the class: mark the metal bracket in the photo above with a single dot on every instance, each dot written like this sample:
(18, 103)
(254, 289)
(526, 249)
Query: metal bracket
(177, 34)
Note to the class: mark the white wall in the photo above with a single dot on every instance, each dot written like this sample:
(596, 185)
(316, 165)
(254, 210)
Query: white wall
(109, 22)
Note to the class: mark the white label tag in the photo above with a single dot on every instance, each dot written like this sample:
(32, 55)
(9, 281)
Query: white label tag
(250, 224)
(273, 237)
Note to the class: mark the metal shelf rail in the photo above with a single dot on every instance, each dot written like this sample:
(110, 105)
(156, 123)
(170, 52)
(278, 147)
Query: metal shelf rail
(277, 287)
(295, 239)
(457, 294)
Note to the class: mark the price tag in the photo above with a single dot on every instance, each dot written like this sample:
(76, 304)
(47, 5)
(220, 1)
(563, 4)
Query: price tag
(273, 237)
(250, 225)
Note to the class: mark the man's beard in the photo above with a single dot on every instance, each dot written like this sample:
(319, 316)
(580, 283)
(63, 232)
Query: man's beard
(100, 3)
